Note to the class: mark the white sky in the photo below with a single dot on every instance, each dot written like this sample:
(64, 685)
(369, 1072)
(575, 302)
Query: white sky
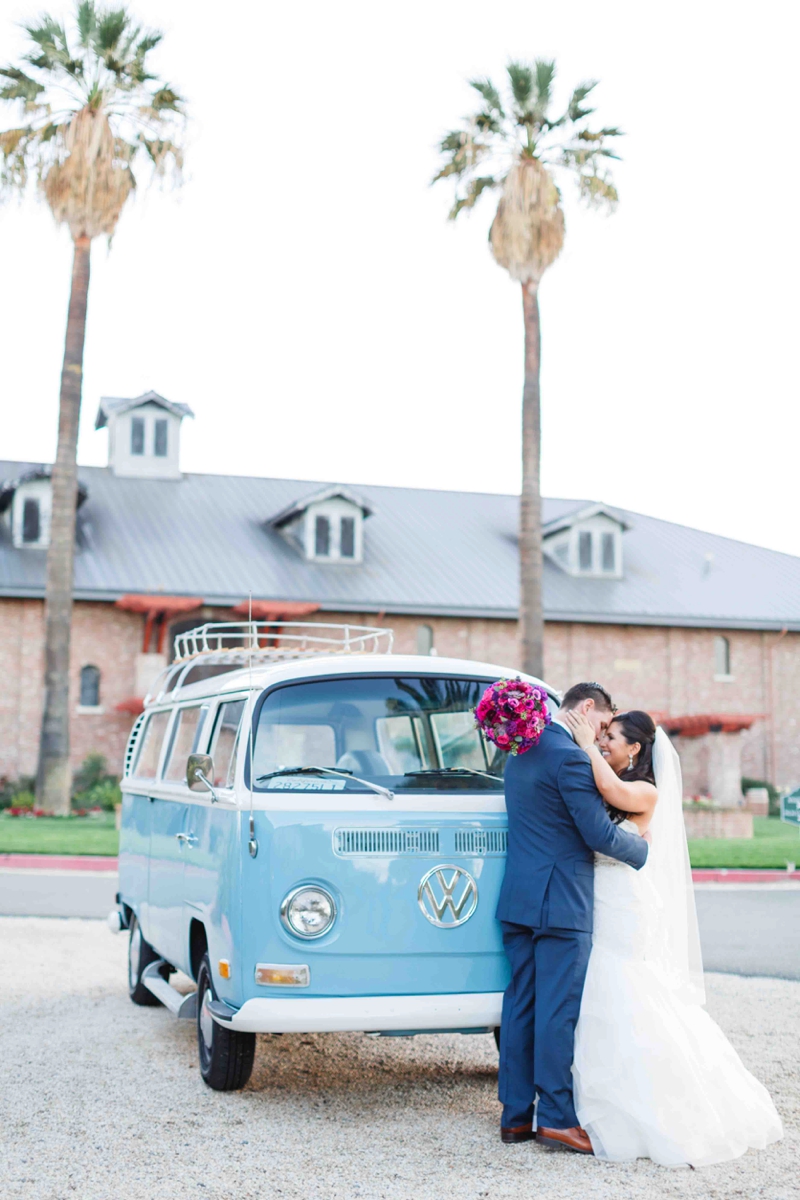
(305, 295)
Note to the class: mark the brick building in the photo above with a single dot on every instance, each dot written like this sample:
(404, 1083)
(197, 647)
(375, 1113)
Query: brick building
(673, 620)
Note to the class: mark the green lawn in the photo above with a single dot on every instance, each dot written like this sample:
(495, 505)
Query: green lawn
(58, 835)
(775, 843)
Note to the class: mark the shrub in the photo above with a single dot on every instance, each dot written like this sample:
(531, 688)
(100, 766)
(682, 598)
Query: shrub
(17, 793)
(774, 793)
(93, 787)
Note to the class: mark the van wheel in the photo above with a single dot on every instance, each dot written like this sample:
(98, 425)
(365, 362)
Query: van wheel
(496, 1032)
(140, 955)
(226, 1055)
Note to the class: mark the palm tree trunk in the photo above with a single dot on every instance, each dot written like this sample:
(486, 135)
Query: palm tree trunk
(531, 620)
(54, 777)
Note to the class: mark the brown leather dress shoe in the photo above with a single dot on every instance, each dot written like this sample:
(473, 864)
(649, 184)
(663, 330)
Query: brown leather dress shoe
(516, 1133)
(576, 1139)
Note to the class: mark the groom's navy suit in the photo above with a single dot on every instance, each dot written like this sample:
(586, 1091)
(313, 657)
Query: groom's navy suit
(556, 819)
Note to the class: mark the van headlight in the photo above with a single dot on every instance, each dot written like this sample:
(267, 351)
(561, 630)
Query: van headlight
(308, 912)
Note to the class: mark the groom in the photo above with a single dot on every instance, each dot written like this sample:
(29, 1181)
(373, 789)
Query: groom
(556, 819)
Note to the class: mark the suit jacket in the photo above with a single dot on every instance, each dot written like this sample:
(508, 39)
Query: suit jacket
(556, 819)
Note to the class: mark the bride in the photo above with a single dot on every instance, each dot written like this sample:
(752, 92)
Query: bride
(654, 1076)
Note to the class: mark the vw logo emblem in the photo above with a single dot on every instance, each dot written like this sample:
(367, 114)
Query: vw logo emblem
(447, 902)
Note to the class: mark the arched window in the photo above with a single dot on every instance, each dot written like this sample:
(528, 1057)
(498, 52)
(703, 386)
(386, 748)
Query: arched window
(722, 656)
(424, 639)
(90, 687)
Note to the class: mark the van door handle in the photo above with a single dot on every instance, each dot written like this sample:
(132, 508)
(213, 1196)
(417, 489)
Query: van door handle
(188, 839)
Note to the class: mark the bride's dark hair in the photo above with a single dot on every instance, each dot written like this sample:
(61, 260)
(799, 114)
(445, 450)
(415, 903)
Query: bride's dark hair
(636, 726)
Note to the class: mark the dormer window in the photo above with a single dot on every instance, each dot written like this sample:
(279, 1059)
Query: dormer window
(137, 435)
(31, 521)
(26, 508)
(326, 527)
(322, 537)
(143, 435)
(347, 537)
(160, 443)
(587, 543)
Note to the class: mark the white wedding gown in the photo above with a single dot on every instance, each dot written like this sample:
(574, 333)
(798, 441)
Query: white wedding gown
(654, 1076)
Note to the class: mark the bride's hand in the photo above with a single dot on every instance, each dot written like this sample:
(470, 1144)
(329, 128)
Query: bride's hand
(580, 728)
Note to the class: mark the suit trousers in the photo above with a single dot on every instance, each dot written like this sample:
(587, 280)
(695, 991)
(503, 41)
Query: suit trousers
(540, 1011)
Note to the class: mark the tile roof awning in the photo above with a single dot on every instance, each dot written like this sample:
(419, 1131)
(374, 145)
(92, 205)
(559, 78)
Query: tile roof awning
(698, 724)
(275, 610)
(159, 605)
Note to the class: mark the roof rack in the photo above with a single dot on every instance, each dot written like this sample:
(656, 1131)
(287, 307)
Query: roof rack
(232, 644)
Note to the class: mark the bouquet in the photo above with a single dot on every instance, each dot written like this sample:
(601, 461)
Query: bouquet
(512, 714)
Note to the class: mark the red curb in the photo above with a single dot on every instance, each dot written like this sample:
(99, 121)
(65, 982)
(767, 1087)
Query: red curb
(733, 875)
(60, 862)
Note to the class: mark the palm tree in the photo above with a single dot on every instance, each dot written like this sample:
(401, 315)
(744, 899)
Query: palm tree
(88, 110)
(518, 147)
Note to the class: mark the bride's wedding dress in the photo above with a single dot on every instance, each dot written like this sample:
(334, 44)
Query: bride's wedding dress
(654, 1076)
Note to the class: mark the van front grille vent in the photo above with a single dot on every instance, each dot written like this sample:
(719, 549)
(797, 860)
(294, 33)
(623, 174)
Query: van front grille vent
(351, 842)
(481, 841)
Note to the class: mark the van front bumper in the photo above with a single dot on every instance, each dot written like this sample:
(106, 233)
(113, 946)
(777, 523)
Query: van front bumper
(366, 1014)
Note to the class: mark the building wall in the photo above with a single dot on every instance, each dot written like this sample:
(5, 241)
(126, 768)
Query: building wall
(667, 671)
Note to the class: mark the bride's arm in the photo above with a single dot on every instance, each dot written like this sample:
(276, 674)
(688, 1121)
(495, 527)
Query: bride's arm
(637, 796)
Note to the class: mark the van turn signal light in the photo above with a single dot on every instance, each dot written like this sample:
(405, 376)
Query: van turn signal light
(224, 969)
(275, 975)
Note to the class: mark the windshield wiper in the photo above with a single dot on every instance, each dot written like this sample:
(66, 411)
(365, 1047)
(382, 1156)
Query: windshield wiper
(373, 787)
(455, 771)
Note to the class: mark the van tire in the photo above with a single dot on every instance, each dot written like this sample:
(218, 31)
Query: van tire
(140, 955)
(226, 1055)
(496, 1032)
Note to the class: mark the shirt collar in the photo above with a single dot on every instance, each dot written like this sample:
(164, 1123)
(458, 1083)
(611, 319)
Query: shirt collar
(566, 728)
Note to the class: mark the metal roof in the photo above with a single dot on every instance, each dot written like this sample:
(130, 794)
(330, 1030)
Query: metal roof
(117, 405)
(426, 552)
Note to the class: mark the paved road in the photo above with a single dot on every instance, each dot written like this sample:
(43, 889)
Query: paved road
(750, 929)
(37, 893)
(745, 929)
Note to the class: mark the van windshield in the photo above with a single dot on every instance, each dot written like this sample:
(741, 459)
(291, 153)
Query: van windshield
(406, 733)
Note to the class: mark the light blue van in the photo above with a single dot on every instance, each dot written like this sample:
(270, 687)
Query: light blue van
(314, 832)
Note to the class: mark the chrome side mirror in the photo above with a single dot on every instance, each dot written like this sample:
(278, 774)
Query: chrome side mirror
(199, 773)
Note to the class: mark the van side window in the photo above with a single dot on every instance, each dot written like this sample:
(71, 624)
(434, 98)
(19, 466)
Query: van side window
(223, 743)
(183, 737)
(150, 745)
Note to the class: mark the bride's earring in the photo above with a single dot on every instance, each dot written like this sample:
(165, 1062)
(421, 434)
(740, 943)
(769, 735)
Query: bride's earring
(630, 762)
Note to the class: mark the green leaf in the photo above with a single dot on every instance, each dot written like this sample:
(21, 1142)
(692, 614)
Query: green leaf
(473, 193)
(21, 87)
(575, 109)
(545, 74)
(486, 89)
(111, 25)
(521, 79)
(86, 20)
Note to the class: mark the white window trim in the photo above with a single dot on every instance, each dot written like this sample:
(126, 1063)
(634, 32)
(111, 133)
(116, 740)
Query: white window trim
(724, 678)
(84, 709)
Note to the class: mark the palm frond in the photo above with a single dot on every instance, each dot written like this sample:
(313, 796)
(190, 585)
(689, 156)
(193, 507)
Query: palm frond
(545, 75)
(110, 26)
(486, 89)
(20, 87)
(598, 190)
(521, 79)
(86, 20)
(575, 109)
(472, 195)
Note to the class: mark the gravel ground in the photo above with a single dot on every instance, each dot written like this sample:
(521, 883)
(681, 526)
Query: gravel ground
(102, 1099)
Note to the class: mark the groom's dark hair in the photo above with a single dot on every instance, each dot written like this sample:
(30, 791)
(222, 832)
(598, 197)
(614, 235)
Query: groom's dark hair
(587, 691)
